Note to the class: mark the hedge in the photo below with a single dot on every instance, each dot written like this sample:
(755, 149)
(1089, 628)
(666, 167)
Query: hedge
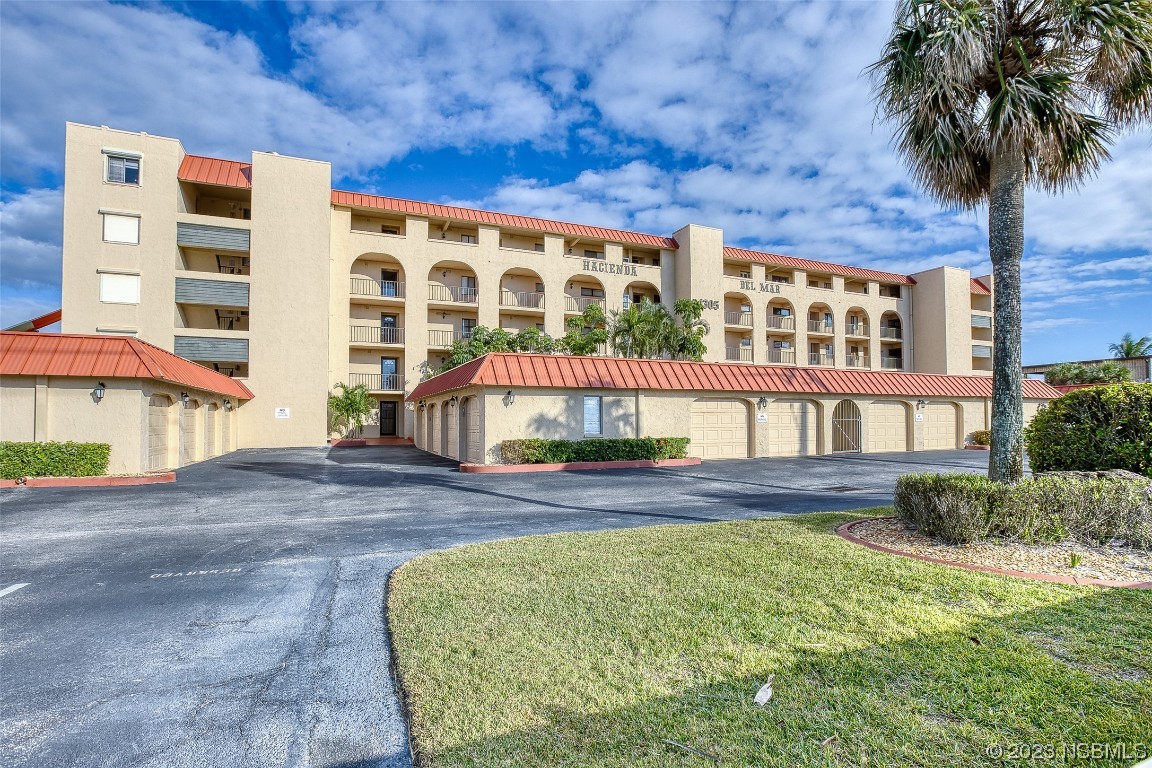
(1092, 507)
(982, 437)
(534, 451)
(1106, 427)
(53, 459)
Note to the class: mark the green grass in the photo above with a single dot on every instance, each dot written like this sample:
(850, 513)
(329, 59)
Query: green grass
(589, 649)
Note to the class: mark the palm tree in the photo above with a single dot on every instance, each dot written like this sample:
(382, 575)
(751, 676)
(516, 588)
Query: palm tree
(350, 408)
(992, 95)
(1130, 347)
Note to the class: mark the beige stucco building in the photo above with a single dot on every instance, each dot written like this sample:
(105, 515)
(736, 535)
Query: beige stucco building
(260, 270)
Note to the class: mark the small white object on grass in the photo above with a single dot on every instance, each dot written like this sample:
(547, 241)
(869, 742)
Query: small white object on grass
(765, 692)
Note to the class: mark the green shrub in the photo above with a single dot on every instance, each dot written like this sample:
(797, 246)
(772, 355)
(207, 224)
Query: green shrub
(535, 451)
(1094, 429)
(962, 509)
(1107, 372)
(981, 437)
(53, 459)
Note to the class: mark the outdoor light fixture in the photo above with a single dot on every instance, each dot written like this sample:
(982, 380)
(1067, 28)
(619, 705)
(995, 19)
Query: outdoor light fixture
(184, 398)
(227, 405)
(921, 403)
(454, 400)
(98, 393)
(762, 402)
(510, 397)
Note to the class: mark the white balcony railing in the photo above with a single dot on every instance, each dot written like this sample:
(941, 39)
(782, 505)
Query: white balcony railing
(821, 358)
(856, 329)
(888, 332)
(820, 326)
(378, 382)
(385, 289)
(445, 338)
(581, 303)
(857, 361)
(458, 294)
(782, 322)
(375, 334)
(892, 363)
(782, 356)
(738, 318)
(739, 354)
(522, 299)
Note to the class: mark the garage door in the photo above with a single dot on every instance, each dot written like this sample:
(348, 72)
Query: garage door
(887, 430)
(188, 427)
(210, 431)
(157, 432)
(939, 426)
(792, 428)
(719, 429)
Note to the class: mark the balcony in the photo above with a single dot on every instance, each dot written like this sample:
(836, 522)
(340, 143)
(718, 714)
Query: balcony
(892, 363)
(820, 327)
(577, 304)
(856, 329)
(782, 322)
(522, 300)
(821, 358)
(375, 334)
(889, 333)
(739, 354)
(742, 319)
(451, 294)
(782, 356)
(857, 361)
(381, 289)
(378, 382)
(444, 339)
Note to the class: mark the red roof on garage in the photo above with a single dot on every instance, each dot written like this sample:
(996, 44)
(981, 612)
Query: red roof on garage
(210, 170)
(523, 370)
(122, 357)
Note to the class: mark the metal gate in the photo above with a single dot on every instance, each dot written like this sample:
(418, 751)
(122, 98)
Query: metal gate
(846, 428)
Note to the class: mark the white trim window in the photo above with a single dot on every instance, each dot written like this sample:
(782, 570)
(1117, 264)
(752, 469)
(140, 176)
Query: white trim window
(593, 416)
(123, 170)
(119, 288)
(120, 228)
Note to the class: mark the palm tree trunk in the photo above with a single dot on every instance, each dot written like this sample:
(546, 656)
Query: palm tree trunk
(1006, 247)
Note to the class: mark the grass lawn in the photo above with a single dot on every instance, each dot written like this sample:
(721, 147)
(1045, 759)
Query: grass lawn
(590, 649)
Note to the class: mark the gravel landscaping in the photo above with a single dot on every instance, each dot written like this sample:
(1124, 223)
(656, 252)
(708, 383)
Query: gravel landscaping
(1112, 563)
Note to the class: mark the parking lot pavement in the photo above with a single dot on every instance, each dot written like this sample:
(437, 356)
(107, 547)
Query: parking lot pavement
(235, 617)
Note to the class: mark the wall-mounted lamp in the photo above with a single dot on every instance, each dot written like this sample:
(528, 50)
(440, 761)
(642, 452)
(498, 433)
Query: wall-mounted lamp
(762, 403)
(921, 403)
(443, 315)
(444, 273)
(453, 400)
(184, 398)
(98, 392)
(227, 405)
(510, 397)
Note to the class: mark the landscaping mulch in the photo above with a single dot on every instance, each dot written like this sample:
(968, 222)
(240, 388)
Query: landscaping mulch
(1111, 563)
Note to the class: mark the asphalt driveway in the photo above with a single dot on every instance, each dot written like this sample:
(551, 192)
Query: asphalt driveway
(235, 617)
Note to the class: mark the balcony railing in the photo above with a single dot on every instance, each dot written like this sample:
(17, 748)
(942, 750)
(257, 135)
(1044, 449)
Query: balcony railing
(375, 334)
(819, 326)
(445, 338)
(457, 294)
(856, 329)
(581, 303)
(782, 322)
(782, 356)
(821, 358)
(888, 332)
(738, 318)
(892, 363)
(857, 361)
(385, 289)
(378, 382)
(739, 354)
(523, 299)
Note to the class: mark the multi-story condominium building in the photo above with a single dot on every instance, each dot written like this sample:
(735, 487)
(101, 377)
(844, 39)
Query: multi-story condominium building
(260, 270)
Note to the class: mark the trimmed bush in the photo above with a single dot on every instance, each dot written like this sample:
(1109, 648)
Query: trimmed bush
(534, 451)
(1091, 507)
(53, 459)
(981, 437)
(1107, 372)
(1107, 427)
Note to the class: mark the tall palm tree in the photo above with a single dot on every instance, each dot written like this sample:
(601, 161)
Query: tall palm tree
(990, 96)
(1130, 347)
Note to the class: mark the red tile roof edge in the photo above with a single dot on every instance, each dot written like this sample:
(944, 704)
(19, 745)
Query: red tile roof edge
(501, 369)
(97, 355)
(978, 287)
(211, 170)
(733, 252)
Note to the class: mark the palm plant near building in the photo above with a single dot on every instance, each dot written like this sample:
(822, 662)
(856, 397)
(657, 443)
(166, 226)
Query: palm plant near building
(1130, 347)
(648, 330)
(349, 408)
(990, 96)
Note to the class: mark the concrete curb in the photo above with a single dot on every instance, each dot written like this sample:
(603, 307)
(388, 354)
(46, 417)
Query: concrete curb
(89, 482)
(844, 530)
(572, 466)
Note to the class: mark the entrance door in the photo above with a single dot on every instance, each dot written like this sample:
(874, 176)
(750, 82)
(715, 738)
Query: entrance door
(467, 288)
(388, 326)
(388, 375)
(389, 278)
(387, 418)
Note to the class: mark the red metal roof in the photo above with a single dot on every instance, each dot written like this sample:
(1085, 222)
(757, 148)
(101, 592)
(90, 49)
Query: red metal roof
(523, 370)
(815, 266)
(398, 205)
(37, 323)
(221, 173)
(979, 288)
(125, 357)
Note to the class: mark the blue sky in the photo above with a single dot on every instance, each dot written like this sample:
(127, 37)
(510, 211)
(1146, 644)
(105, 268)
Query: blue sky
(752, 117)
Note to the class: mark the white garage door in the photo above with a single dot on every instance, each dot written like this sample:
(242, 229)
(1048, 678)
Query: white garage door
(939, 426)
(157, 432)
(188, 425)
(887, 430)
(792, 428)
(719, 429)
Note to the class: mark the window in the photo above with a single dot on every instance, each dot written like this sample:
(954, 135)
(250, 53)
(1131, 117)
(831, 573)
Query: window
(779, 279)
(123, 170)
(745, 275)
(593, 254)
(468, 239)
(384, 230)
(119, 228)
(116, 288)
(656, 260)
(592, 422)
(466, 326)
(597, 293)
(538, 247)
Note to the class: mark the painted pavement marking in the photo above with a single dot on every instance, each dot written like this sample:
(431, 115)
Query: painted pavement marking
(11, 589)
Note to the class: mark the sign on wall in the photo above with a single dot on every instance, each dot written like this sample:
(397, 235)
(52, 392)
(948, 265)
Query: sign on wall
(281, 413)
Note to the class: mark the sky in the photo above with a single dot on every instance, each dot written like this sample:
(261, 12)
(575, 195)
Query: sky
(753, 117)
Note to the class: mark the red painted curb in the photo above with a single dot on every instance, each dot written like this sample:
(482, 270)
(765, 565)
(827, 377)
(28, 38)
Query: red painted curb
(844, 530)
(89, 482)
(978, 447)
(501, 469)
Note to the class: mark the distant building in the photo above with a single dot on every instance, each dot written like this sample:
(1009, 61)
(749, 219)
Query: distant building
(1140, 367)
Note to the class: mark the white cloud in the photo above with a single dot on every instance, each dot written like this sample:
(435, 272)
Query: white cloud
(30, 239)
